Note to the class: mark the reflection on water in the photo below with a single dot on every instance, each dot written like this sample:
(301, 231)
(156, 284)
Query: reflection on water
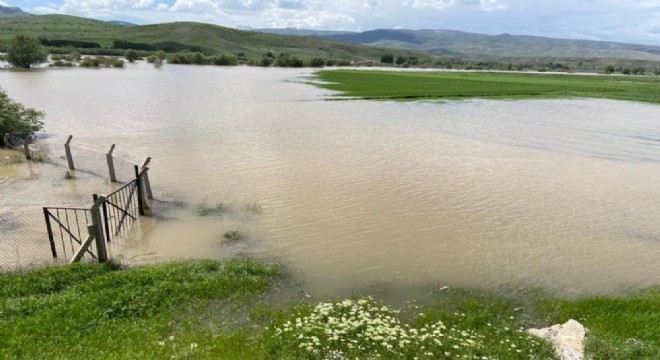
(553, 193)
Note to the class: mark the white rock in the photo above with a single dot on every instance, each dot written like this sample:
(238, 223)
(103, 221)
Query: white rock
(566, 339)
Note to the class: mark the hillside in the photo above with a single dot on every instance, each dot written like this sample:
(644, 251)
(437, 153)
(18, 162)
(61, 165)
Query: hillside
(451, 42)
(212, 39)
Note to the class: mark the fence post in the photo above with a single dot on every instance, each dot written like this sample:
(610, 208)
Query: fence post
(50, 234)
(6, 140)
(67, 149)
(105, 221)
(83, 247)
(140, 196)
(145, 176)
(111, 164)
(105, 217)
(98, 229)
(26, 148)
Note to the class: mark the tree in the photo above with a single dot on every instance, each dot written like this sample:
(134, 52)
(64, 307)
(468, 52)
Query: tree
(25, 51)
(387, 59)
(626, 71)
(609, 69)
(131, 55)
(15, 119)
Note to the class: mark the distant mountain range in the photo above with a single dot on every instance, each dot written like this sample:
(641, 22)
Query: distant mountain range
(459, 43)
(122, 23)
(11, 11)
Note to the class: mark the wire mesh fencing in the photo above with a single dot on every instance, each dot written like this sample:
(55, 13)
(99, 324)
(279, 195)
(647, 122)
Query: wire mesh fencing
(24, 237)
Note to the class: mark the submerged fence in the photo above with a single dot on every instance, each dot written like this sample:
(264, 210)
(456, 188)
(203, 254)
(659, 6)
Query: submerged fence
(24, 238)
(82, 232)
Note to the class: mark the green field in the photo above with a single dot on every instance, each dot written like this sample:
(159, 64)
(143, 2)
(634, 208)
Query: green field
(222, 310)
(464, 85)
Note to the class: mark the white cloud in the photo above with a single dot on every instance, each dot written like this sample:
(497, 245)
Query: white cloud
(305, 20)
(438, 4)
(46, 10)
(196, 6)
(3, 3)
(491, 5)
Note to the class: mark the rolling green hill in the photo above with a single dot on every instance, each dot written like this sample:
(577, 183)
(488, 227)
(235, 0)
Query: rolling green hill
(212, 39)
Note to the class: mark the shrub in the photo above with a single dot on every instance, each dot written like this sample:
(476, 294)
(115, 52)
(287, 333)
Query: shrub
(17, 120)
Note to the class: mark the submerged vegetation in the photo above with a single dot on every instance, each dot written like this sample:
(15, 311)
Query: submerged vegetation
(462, 85)
(208, 310)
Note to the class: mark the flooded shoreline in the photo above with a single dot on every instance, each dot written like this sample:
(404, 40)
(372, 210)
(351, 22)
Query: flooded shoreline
(558, 194)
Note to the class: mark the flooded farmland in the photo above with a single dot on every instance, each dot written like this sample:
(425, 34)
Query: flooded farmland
(560, 194)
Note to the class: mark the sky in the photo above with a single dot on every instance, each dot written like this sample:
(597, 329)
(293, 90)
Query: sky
(631, 21)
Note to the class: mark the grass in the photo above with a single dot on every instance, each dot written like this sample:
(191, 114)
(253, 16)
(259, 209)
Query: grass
(90, 311)
(621, 327)
(220, 310)
(232, 236)
(250, 203)
(203, 208)
(449, 85)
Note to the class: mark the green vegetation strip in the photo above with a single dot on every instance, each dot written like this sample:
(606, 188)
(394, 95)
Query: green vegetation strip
(410, 85)
(220, 310)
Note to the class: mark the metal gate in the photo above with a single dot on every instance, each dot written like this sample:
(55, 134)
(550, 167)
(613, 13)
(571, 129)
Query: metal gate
(69, 228)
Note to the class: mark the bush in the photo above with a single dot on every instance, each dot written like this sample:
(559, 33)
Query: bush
(317, 62)
(287, 60)
(60, 63)
(131, 55)
(102, 61)
(17, 120)
(224, 60)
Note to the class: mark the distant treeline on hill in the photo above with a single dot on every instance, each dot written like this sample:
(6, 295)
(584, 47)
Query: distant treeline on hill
(168, 46)
(71, 43)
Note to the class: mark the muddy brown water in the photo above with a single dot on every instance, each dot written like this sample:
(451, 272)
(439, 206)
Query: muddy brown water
(559, 194)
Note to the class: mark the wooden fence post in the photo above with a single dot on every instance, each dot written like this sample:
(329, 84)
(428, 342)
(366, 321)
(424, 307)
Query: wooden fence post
(67, 149)
(97, 224)
(6, 140)
(26, 148)
(145, 177)
(111, 164)
(83, 247)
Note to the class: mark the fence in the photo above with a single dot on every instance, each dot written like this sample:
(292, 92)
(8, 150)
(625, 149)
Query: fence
(108, 217)
(25, 241)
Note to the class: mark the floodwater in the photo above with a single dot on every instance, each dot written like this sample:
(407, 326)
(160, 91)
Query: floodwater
(558, 194)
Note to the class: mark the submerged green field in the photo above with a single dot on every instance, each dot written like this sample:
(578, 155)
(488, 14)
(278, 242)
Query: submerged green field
(408, 85)
(222, 310)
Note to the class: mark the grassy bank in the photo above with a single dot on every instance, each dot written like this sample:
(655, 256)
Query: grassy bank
(453, 85)
(214, 310)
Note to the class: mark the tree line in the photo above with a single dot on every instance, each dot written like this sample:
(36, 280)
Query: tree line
(24, 51)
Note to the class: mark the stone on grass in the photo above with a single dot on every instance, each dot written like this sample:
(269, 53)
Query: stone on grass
(567, 339)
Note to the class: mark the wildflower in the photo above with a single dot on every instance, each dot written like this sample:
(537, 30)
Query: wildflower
(193, 346)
